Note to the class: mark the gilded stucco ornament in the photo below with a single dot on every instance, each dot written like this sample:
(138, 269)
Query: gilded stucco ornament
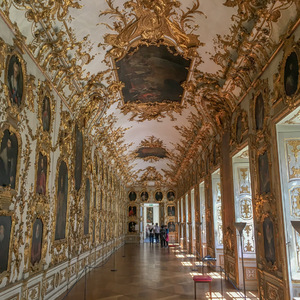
(152, 23)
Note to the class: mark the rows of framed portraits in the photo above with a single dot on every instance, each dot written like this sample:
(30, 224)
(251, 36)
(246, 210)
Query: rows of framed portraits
(145, 196)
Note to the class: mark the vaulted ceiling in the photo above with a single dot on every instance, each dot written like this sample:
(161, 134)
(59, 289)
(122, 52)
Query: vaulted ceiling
(157, 80)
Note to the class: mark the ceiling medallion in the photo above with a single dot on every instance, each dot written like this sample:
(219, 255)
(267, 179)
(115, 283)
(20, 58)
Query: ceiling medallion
(151, 37)
(151, 150)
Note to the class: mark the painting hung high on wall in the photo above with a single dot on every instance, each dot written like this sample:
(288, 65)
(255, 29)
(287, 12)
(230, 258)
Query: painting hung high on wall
(259, 112)
(291, 74)
(269, 240)
(238, 129)
(86, 207)
(15, 80)
(158, 196)
(264, 175)
(132, 196)
(78, 157)
(46, 114)
(153, 74)
(8, 159)
(171, 196)
(62, 201)
(41, 177)
(144, 196)
(171, 211)
(36, 244)
(132, 211)
(5, 228)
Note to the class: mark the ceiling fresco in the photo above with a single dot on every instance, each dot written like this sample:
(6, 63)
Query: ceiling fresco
(171, 71)
(152, 74)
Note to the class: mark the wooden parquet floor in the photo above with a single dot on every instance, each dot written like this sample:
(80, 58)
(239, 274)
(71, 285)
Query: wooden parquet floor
(149, 272)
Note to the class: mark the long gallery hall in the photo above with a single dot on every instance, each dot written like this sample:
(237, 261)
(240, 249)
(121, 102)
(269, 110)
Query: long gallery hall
(129, 122)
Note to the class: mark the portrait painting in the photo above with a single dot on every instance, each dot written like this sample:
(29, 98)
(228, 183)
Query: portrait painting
(8, 159)
(78, 157)
(5, 229)
(171, 211)
(150, 215)
(259, 112)
(46, 114)
(36, 244)
(62, 202)
(264, 175)
(86, 207)
(171, 226)
(132, 211)
(153, 74)
(132, 196)
(41, 177)
(238, 129)
(269, 244)
(159, 196)
(291, 74)
(171, 196)
(144, 196)
(15, 80)
(131, 226)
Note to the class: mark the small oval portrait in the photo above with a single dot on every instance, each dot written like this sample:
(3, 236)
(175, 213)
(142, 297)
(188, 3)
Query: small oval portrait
(158, 196)
(171, 211)
(171, 226)
(132, 211)
(36, 244)
(131, 226)
(15, 80)
(291, 74)
(171, 196)
(132, 196)
(144, 196)
(46, 114)
(8, 159)
(41, 177)
(5, 228)
(259, 112)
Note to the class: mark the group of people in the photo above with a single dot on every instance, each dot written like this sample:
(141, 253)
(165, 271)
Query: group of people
(156, 232)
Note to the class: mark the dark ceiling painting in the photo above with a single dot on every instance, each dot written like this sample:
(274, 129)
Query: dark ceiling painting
(144, 152)
(153, 74)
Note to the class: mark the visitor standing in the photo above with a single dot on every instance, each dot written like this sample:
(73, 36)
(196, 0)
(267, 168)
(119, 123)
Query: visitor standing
(156, 231)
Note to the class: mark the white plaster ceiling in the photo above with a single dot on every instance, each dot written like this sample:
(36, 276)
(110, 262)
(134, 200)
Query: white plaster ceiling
(86, 24)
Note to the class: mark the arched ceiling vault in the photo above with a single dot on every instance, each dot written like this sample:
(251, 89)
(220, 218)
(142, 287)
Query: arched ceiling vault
(155, 80)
